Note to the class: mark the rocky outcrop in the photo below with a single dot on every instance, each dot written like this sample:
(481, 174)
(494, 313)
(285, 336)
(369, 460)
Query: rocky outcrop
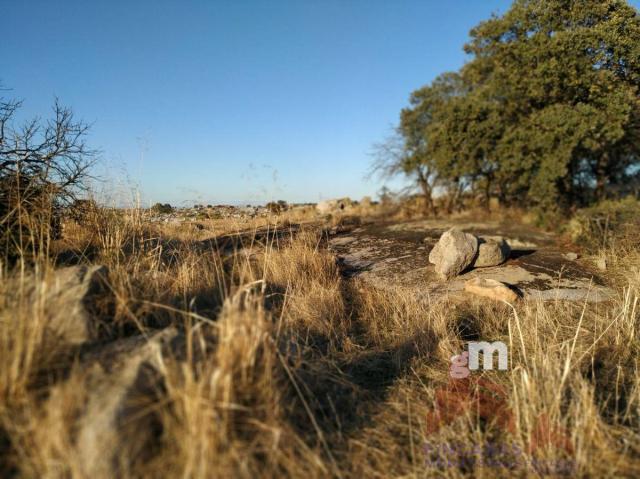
(490, 288)
(391, 256)
(116, 425)
(492, 251)
(453, 253)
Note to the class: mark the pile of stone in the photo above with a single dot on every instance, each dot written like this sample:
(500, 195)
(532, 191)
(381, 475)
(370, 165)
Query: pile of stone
(457, 251)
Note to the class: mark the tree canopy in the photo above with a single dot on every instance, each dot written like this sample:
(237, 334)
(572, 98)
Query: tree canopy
(545, 113)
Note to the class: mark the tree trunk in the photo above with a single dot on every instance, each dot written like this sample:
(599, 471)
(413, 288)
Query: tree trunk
(453, 197)
(486, 200)
(487, 194)
(423, 182)
(601, 176)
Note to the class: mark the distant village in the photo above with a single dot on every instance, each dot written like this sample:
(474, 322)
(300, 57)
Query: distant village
(169, 214)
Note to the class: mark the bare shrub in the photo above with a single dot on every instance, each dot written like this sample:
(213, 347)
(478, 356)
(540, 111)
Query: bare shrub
(42, 168)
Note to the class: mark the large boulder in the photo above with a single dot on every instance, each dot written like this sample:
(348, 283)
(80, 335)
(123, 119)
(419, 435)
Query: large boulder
(453, 253)
(492, 251)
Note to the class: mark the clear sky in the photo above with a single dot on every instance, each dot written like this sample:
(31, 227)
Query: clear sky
(233, 101)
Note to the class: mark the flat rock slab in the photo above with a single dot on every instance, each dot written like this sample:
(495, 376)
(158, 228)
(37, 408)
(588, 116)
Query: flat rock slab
(395, 256)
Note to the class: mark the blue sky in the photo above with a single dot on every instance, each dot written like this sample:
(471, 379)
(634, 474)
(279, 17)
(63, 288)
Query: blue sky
(233, 101)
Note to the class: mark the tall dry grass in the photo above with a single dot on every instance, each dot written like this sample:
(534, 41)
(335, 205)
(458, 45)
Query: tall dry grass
(289, 370)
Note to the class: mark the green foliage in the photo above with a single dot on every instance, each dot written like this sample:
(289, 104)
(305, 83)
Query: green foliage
(277, 206)
(607, 224)
(160, 208)
(546, 113)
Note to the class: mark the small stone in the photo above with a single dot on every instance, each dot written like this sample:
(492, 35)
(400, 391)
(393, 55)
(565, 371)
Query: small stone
(490, 288)
(571, 256)
(491, 252)
(453, 253)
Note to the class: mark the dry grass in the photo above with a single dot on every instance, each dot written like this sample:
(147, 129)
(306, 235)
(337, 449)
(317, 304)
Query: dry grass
(291, 371)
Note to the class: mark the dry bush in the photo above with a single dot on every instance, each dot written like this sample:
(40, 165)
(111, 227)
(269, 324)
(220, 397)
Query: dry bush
(225, 416)
(25, 347)
(571, 401)
(307, 277)
(608, 224)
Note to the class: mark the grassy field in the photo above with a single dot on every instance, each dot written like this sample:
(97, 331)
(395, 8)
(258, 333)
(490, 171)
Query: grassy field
(291, 370)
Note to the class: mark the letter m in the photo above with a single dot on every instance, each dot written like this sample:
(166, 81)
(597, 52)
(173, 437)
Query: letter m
(487, 355)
